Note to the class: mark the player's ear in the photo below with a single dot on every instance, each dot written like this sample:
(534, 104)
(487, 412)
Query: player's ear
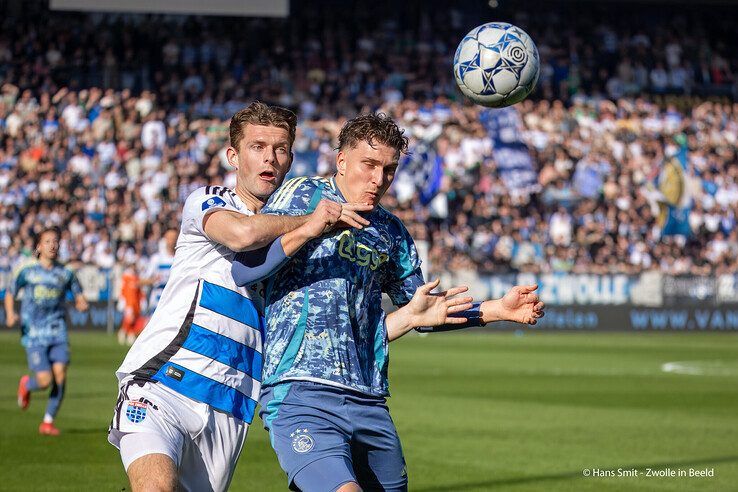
(232, 157)
(341, 162)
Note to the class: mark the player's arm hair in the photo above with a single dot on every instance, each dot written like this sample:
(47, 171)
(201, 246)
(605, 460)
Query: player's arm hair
(239, 232)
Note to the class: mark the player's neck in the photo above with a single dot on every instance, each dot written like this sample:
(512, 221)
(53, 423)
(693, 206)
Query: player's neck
(249, 199)
(46, 262)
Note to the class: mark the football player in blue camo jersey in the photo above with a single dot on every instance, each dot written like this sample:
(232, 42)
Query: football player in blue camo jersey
(44, 284)
(326, 339)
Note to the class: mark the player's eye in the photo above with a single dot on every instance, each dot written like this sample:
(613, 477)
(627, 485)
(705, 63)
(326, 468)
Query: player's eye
(257, 147)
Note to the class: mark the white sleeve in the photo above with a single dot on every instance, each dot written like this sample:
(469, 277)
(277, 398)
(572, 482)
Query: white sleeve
(199, 204)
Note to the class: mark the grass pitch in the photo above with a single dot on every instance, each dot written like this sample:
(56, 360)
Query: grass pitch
(475, 411)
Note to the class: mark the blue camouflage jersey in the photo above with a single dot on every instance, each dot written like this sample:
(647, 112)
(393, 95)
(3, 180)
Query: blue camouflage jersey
(325, 321)
(42, 312)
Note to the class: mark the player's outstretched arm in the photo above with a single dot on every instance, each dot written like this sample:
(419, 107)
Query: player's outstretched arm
(429, 309)
(519, 305)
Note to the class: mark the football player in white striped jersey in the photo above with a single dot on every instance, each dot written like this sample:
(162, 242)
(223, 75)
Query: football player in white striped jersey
(189, 385)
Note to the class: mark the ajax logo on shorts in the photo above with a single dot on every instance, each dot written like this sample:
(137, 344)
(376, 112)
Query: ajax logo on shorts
(302, 441)
(136, 411)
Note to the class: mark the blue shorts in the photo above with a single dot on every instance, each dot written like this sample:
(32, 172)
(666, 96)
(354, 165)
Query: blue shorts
(326, 436)
(40, 358)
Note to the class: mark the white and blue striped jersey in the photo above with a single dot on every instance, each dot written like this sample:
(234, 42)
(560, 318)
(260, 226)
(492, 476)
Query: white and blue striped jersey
(205, 337)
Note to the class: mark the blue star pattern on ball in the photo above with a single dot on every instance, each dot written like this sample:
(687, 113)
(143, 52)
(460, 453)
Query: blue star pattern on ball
(467, 66)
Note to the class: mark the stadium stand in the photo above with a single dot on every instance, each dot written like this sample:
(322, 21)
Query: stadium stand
(109, 121)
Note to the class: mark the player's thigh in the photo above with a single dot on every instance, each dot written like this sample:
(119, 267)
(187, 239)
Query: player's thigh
(209, 460)
(145, 422)
(377, 454)
(309, 427)
(38, 359)
(152, 473)
(331, 473)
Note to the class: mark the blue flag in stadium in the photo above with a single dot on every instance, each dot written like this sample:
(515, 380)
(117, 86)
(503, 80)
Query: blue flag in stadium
(425, 167)
(510, 151)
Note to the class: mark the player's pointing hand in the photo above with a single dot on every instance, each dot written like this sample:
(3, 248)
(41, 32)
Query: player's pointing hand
(350, 215)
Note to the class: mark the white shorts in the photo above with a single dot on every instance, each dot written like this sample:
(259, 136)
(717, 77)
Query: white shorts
(203, 442)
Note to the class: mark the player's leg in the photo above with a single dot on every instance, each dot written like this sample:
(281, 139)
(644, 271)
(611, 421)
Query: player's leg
(59, 357)
(208, 463)
(40, 366)
(376, 450)
(311, 434)
(151, 472)
(151, 427)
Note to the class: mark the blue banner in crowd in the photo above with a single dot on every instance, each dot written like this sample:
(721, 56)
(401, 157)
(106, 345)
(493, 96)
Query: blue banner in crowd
(425, 167)
(511, 154)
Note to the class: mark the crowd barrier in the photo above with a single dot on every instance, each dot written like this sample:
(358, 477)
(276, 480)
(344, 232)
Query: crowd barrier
(650, 301)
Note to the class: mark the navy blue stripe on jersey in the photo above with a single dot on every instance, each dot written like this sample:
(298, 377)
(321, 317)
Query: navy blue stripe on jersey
(202, 388)
(226, 351)
(155, 363)
(231, 304)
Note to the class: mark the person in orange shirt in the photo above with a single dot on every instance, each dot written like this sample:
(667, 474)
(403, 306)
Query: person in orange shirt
(129, 302)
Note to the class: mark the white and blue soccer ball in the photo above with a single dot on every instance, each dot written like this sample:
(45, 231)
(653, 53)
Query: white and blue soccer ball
(496, 65)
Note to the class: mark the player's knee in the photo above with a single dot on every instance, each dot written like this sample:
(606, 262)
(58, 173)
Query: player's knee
(43, 379)
(60, 375)
(153, 473)
(349, 487)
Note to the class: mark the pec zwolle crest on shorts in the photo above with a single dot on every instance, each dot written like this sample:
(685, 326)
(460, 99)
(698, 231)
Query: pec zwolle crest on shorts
(302, 441)
(136, 411)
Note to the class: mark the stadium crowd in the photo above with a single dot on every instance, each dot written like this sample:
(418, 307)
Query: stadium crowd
(109, 122)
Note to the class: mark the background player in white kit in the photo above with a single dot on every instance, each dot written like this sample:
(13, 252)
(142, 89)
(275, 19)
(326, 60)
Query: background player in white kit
(189, 385)
(158, 269)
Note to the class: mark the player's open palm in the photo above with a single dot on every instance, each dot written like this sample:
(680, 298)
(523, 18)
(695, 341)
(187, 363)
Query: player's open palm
(522, 305)
(435, 309)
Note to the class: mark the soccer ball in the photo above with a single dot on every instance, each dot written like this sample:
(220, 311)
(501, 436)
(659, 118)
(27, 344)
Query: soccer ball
(496, 65)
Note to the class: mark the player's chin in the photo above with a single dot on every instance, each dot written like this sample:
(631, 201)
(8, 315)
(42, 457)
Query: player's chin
(266, 188)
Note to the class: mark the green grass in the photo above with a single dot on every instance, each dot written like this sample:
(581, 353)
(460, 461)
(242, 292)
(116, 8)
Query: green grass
(475, 412)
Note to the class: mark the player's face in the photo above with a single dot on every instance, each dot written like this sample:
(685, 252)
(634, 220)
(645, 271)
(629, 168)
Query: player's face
(48, 246)
(365, 172)
(262, 159)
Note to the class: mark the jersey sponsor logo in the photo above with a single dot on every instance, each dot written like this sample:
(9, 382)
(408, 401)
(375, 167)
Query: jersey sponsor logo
(136, 411)
(213, 202)
(43, 293)
(361, 254)
(302, 441)
(175, 373)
